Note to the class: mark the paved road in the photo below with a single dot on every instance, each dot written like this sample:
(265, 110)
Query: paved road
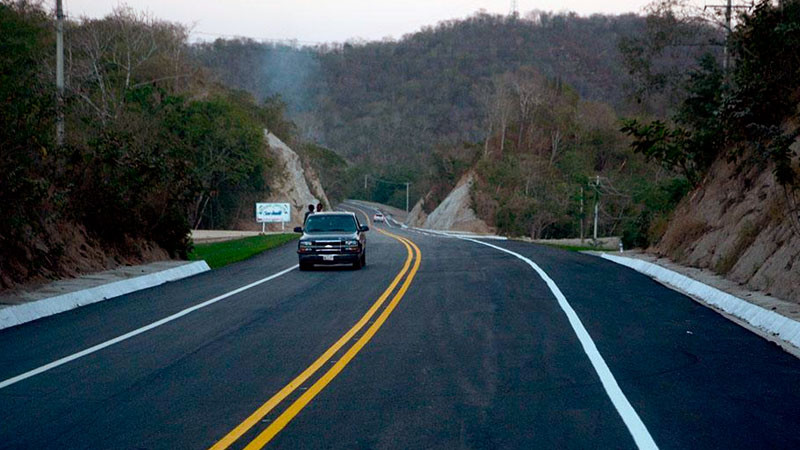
(438, 343)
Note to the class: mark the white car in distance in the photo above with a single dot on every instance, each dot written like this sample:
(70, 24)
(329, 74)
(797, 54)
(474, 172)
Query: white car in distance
(378, 217)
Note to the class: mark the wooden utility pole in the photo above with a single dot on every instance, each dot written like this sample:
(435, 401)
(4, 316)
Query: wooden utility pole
(726, 61)
(581, 216)
(729, 7)
(59, 73)
(407, 185)
(596, 206)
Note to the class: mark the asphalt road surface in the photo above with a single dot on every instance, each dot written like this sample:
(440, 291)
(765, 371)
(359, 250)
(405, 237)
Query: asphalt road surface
(439, 342)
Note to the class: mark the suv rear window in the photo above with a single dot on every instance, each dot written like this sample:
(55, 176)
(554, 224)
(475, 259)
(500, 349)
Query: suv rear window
(329, 222)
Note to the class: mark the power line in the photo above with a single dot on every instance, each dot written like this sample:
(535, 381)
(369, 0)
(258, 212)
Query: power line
(381, 180)
(292, 42)
(396, 183)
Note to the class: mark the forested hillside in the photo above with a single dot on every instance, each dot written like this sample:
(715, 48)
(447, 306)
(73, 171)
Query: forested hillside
(393, 101)
(532, 103)
(736, 136)
(152, 146)
(553, 113)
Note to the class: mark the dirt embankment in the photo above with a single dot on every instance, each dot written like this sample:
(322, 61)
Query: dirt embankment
(740, 226)
(78, 253)
(417, 216)
(456, 212)
(298, 185)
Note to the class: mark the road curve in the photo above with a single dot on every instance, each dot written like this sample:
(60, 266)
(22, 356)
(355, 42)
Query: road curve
(475, 352)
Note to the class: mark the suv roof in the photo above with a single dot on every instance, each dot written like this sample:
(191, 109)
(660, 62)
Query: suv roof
(334, 213)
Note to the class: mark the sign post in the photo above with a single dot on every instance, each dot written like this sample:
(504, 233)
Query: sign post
(273, 213)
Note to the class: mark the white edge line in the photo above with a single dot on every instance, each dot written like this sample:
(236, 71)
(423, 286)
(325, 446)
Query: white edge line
(459, 234)
(633, 422)
(136, 332)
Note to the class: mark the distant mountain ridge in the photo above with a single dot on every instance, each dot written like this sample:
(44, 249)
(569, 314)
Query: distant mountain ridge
(392, 101)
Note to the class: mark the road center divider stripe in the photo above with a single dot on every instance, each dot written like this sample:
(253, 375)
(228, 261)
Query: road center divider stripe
(138, 331)
(636, 427)
(270, 404)
(275, 427)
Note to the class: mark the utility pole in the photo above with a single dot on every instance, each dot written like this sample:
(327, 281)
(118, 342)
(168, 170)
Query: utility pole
(729, 7)
(726, 61)
(596, 206)
(59, 73)
(365, 184)
(582, 216)
(407, 185)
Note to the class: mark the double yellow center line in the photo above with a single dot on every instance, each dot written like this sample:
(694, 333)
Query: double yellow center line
(408, 271)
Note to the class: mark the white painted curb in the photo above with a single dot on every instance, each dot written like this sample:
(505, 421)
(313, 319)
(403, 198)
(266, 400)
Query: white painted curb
(781, 326)
(26, 312)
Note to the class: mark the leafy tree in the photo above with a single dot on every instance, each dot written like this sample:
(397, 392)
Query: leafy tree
(692, 144)
(766, 93)
(28, 203)
(149, 138)
(226, 144)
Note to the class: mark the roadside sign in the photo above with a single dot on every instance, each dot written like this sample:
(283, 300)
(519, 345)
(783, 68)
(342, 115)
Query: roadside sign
(273, 212)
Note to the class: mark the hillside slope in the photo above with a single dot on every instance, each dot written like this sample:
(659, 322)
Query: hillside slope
(297, 185)
(738, 226)
(390, 101)
(456, 212)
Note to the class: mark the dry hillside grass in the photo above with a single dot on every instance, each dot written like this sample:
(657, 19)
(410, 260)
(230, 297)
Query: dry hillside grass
(738, 224)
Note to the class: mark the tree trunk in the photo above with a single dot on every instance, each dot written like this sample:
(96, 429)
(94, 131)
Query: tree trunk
(503, 139)
(199, 214)
(555, 142)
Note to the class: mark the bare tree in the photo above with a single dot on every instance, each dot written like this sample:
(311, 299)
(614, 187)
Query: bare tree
(109, 57)
(503, 106)
(497, 100)
(530, 87)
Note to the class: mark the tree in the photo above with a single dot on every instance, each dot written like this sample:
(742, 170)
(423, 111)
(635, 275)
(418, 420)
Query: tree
(531, 89)
(226, 144)
(109, 57)
(660, 60)
(27, 201)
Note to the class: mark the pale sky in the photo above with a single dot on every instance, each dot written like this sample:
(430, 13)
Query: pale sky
(330, 20)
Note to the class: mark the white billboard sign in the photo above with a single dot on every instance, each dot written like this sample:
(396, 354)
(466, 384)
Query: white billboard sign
(273, 212)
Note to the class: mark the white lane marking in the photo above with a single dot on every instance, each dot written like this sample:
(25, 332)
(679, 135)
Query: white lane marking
(136, 332)
(635, 425)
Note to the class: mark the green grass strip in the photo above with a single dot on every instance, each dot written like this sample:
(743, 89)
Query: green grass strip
(577, 248)
(218, 254)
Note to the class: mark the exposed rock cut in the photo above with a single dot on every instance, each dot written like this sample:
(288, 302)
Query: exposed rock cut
(738, 225)
(455, 212)
(299, 186)
(417, 216)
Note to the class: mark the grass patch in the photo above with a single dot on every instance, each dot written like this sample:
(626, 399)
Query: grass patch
(577, 248)
(218, 254)
(747, 235)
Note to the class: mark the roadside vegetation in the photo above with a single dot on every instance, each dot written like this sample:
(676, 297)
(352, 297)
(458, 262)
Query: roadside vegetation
(746, 114)
(531, 103)
(219, 254)
(153, 145)
(578, 248)
(551, 111)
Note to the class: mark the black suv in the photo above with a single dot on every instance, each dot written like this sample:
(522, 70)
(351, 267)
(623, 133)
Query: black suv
(332, 238)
